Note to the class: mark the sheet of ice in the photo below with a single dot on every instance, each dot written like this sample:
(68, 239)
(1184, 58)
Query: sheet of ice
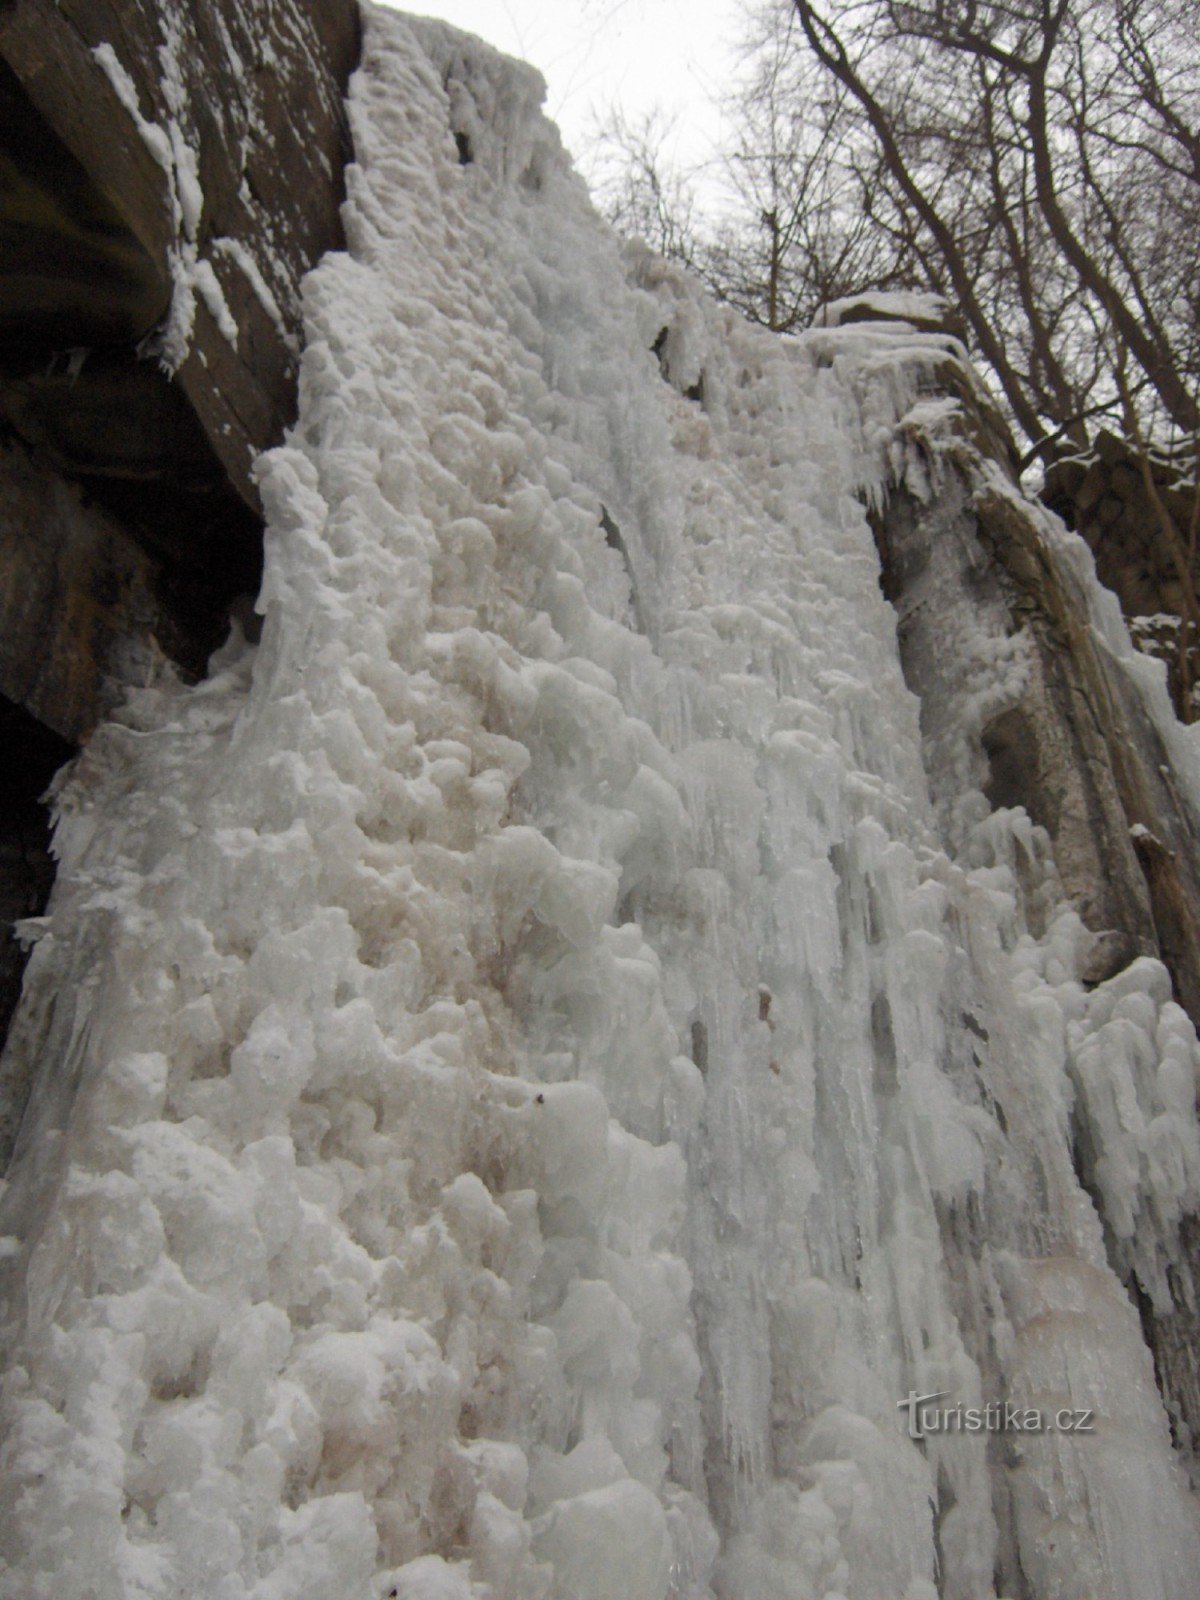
(524, 1087)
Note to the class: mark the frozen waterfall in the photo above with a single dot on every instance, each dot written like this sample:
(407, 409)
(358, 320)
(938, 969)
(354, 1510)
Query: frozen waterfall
(533, 1068)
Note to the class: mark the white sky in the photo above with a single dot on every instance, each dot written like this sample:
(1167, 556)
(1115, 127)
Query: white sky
(595, 54)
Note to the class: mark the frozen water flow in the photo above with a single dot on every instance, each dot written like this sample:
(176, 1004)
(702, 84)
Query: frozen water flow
(527, 1083)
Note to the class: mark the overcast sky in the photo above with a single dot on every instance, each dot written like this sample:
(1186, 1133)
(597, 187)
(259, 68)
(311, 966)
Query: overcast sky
(595, 54)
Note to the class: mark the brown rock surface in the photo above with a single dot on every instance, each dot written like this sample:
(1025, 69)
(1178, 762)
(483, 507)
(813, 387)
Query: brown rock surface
(167, 176)
(83, 607)
(1105, 499)
(249, 94)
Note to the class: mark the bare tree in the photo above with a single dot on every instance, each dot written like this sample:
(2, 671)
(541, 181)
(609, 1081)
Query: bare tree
(1037, 161)
(806, 227)
(642, 195)
(796, 214)
(1049, 150)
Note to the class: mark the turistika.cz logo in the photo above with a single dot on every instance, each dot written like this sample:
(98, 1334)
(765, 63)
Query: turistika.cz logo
(926, 1417)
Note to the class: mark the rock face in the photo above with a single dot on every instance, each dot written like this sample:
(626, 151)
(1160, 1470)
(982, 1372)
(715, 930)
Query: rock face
(151, 251)
(1105, 498)
(999, 641)
(82, 605)
(156, 158)
(168, 174)
(1060, 730)
(1136, 515)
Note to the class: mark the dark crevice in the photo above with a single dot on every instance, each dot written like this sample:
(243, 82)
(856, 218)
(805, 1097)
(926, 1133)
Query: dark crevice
(615, 541)
(30, 755)
(199, 584)
(74, 273)
(659, 349)
(1010, 745)
(973, 1025)
(1146, 1317)
(462, 143)
(612, 535)
(883, 1048)
(700, 1045)
(946, 1502)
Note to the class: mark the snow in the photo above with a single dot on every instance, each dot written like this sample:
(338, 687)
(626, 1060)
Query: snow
(535, 1077)
(207, 285)
(156, 141)
(263, 292)
(177, 154)
(910, 306)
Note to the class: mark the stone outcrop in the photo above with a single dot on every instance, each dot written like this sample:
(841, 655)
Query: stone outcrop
(165, 161)
(168, 173)
(84, 607)
(1075, 746)
(1068, 736)
(1105, 497)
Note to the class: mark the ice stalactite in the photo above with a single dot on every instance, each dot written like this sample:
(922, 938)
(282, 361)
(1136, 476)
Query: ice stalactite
(531, 1070)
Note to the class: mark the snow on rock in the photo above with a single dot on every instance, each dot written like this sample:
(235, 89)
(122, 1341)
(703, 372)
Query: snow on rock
(176, 153)
(527, 1090)
(917, 308)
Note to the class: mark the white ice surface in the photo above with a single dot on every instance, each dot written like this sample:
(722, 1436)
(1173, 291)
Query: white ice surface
(523, 1088)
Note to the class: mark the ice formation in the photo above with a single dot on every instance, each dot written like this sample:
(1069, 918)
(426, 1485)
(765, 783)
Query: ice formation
(531, 1076)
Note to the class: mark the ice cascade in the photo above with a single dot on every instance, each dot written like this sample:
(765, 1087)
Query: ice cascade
(529, 1078)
